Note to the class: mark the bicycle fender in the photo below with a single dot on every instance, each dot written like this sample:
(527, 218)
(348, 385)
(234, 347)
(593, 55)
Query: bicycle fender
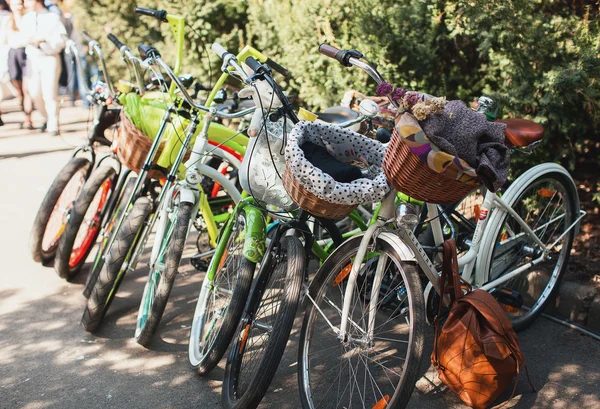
(256, 236)
(405, 253)
(187, 196)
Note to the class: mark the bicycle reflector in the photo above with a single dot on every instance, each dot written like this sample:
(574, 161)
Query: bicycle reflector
(407, 217)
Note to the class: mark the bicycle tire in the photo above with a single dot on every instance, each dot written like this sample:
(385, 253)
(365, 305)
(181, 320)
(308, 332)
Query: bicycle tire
(325, 279)
(107, 233)
(159, 284)
(250, 396)
(111, 274)
(100, 182)
(495, 241)
(47, 208)
(201, 357)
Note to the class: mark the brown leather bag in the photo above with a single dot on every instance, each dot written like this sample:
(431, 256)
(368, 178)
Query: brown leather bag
(476, 352)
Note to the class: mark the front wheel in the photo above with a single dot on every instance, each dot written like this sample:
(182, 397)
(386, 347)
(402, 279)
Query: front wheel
(222, 298)
(265, 328)
(84, 224)
(53, 213)
(106, 234)
(549, 205)
(377, 370)
(162, 275)
(116, 265)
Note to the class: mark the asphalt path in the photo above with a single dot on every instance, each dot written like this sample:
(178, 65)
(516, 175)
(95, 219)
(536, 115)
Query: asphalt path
(48, 361)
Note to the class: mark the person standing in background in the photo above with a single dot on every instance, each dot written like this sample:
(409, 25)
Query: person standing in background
(45, 36)
(5, 21)
(17, 61)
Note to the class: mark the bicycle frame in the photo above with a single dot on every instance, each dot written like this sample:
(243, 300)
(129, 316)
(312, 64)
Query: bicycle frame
(405, 241)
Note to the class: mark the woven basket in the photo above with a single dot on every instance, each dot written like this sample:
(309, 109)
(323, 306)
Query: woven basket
(311, 203)
(409, 175)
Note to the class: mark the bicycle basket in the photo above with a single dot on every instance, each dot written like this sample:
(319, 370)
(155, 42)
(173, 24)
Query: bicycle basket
(318, 192)
(263, 166)
(416, 167)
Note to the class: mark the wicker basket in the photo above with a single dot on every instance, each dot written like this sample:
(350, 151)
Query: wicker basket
(311, 203)
(409, 175)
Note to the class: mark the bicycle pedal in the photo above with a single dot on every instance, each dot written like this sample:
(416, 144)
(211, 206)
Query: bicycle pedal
(510, 300)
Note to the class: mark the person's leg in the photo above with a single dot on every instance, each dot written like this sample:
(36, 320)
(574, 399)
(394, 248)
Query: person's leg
(49, 86)
(34, 85)
(17, 63)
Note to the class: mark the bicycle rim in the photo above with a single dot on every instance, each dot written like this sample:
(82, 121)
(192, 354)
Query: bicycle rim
(548, 209)
(87, 233)
(362, 373)
(58, 219)
(156, 273)
(215, 297)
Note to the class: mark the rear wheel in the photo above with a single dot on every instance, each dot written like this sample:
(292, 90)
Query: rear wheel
(548, 204)
(53, 213)
(221, 300)
(116, 265)
(84, 223)
(263, 332)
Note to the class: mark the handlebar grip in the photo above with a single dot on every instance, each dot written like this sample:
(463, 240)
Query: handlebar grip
(115, 41)
(86, 37)
(277, 68)
(328, 50)
(253, 64)
(148, 51)
(219, 50)
(160, 15)
(342, 56)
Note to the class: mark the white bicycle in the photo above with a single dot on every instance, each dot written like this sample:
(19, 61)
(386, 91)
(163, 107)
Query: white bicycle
(363, 331)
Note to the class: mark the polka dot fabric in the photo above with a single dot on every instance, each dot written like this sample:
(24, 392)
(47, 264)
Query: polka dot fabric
(346, 146)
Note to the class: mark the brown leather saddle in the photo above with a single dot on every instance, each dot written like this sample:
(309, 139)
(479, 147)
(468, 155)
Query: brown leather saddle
(522, 132)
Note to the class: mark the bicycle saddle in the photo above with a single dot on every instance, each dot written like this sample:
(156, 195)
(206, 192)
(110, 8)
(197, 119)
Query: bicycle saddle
(337, 115)
(522, 132)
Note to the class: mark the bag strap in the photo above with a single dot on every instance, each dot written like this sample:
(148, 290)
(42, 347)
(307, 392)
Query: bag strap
(449, 270)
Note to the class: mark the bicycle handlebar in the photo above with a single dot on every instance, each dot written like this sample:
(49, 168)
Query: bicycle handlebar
(147, 51)
(350, 58)
(219, 50)
(277, 67)
(113, 38)
(154, 57)
(160, 15)
(86, 37)
(253, 64)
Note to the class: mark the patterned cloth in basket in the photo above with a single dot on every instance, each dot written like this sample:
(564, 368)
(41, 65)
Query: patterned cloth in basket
(347, 146)
(451, 166)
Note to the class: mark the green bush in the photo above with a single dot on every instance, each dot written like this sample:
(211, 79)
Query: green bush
(539, 58)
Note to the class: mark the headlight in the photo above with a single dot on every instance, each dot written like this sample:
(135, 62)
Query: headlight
(407, 216)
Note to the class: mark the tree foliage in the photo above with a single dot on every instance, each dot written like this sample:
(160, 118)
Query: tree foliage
(539, 58)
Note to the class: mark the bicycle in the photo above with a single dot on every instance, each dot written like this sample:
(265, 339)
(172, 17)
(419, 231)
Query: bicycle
(178, 215)
(87, 208)
(54, 211)
(367, 314)
(139, 219)
(242, 245)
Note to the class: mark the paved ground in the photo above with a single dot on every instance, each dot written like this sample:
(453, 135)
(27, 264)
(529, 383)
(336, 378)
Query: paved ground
(48, 361)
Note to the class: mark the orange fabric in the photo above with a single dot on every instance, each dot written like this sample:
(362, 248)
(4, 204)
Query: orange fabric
(476, 352)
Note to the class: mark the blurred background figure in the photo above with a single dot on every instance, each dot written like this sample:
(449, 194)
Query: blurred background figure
(45, 34)
(17, 60)
(5, 21)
